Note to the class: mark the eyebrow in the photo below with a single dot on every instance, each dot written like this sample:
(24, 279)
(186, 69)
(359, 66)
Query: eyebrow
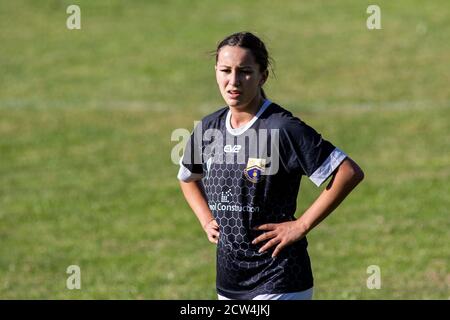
(240, 67)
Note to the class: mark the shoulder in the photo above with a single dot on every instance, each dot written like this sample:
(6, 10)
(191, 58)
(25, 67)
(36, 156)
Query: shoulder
(277, 117)
(291, 128)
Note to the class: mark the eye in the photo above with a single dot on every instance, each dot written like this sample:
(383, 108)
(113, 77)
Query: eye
(225, 70)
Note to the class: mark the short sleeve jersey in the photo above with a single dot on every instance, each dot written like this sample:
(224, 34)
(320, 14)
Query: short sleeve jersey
(251, 176)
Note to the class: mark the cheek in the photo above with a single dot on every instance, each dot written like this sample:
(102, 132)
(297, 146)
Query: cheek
(253, 82)
(218, 79)
(221, 80)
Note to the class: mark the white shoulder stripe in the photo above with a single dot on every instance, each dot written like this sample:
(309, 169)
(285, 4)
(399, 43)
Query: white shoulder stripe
(328, 166)
(187, 176)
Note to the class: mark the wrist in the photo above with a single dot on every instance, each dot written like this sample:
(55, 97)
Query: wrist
(303, 226)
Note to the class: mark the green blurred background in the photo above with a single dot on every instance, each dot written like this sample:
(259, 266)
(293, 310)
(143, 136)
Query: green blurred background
(86, 116)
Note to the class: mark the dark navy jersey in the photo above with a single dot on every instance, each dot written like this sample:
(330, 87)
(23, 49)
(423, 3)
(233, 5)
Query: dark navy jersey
(251, 176)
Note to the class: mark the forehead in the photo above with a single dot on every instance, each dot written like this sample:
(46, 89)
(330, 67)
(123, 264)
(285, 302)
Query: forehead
(235, 56)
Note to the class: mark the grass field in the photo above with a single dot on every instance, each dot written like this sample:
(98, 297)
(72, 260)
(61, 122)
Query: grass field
(86, 118)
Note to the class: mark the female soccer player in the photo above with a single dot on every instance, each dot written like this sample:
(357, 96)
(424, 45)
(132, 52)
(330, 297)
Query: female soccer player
(241, 172)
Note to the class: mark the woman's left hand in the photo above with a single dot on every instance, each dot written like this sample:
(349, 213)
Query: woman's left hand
(280, 235)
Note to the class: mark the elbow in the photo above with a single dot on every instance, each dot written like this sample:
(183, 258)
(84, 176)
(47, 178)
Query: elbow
(356, 173)
(353, 172)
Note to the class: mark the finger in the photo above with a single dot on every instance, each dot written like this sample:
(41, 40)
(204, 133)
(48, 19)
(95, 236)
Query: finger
(214, 224)
(213, 239)
(268, 226)
(264, 236)
(214, 233)
(212, 228)
(278, 248)
(269, 244)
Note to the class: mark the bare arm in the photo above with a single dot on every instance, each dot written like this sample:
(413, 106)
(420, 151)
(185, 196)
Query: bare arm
(197, 201)
(346, 177)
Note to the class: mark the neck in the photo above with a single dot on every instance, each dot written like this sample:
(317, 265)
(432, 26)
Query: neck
(243, 114)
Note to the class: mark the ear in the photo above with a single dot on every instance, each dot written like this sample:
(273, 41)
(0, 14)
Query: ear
(264, 77)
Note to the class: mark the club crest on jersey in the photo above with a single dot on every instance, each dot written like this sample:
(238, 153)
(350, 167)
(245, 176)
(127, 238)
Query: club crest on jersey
(254, 170)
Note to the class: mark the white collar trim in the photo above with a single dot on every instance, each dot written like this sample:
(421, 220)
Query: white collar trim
(241, 130)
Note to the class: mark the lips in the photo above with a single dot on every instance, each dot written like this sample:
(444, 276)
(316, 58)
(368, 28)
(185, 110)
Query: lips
(234, 93)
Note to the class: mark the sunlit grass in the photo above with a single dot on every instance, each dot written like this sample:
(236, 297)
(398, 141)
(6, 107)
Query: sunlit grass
(86, 117)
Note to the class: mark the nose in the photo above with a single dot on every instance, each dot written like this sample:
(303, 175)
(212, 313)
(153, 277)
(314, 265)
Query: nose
(234, 79)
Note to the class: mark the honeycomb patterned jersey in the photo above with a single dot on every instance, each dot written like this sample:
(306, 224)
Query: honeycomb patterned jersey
(251, 176)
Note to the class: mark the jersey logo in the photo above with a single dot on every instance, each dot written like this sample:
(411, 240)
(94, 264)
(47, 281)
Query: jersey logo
(224, 196)
(232, 149)
(255, 169)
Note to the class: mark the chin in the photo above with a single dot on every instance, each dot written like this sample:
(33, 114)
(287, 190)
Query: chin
(235, 103)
